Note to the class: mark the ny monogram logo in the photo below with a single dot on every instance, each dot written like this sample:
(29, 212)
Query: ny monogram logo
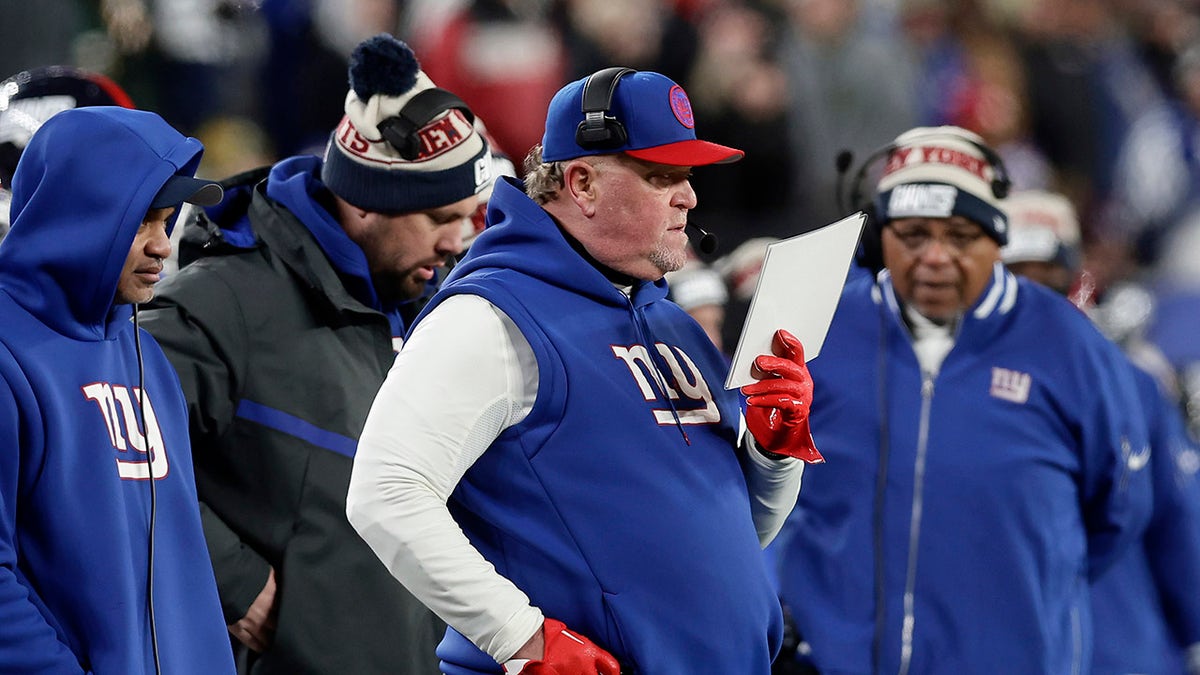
(689, 384)
(109, 397)
(1011, 385)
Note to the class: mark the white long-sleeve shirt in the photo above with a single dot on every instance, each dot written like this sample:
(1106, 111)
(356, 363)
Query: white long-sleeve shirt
(464, 376)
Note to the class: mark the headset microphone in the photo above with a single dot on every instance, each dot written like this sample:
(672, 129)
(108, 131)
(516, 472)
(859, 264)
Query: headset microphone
(844, 159)
(708, 240)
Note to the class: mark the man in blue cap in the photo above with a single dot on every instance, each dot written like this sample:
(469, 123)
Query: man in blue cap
(578, 495)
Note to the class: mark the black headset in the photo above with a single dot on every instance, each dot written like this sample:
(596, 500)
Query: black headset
(402, 130)
(870, 248)
(599, 130)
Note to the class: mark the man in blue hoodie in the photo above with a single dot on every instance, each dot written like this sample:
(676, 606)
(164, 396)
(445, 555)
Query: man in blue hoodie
(282, 322)
(552, 464)
(102, 565)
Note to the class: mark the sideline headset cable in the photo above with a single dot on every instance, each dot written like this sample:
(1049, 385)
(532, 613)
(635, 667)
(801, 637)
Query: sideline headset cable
(137, 342)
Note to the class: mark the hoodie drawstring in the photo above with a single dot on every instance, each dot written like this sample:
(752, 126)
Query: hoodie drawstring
(656, 360)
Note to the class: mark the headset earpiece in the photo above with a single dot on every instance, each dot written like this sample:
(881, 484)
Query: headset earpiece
(599, 130)
(1001, 183)
(856, 196)
(869, 254)
(402, 130)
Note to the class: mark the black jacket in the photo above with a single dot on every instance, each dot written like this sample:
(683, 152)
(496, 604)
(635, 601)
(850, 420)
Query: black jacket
(280, 365)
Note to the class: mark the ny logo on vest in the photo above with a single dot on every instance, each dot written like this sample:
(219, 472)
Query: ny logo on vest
(133, 448)
(689, 384)
(1011, 385)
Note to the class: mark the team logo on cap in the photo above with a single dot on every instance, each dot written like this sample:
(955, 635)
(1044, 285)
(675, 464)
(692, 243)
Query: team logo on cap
(435, 139)
(681, 106)
(912, 156)
(920, 200)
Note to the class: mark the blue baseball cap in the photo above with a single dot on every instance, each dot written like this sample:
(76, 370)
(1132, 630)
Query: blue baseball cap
(657, 119)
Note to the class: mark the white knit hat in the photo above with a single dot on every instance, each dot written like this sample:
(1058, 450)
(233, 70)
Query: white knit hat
(937, 172)
(403, 145)
(1043, 227)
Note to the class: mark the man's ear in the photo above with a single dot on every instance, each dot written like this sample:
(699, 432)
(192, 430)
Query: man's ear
(349, 216)
(579, 182)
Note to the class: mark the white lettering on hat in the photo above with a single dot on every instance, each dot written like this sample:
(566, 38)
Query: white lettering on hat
(483, 171)
(929, 201)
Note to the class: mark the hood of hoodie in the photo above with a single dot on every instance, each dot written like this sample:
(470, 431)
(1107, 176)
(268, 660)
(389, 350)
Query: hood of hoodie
(521, 236)
(74, 220)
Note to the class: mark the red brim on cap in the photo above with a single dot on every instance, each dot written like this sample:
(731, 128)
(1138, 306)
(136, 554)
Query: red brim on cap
(688, 153)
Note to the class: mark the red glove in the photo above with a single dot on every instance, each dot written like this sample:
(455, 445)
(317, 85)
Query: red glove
(777, 405)
(567, 653)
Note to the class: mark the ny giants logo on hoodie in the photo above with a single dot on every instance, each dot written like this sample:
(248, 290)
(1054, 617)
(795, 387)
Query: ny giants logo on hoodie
(689, 383)
(138, 456)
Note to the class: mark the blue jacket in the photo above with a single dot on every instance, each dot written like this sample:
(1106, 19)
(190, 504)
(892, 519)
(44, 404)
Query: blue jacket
(75, 502)
(1010, 477)
(619, 510)
(1147, 605)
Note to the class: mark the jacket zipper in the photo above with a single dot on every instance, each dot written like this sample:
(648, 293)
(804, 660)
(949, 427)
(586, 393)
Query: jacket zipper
(914, 530)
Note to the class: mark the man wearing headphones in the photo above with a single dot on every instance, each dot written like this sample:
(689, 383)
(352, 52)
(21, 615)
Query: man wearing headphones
(990, 444)
(552, 464)
(282, 323)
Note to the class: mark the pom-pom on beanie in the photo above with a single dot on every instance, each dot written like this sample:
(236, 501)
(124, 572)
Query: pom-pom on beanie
(404, 145)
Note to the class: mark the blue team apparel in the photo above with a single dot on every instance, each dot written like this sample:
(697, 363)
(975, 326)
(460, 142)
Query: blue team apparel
(623, 510)
(1146, 606)
(78, 454)
(1011, 476)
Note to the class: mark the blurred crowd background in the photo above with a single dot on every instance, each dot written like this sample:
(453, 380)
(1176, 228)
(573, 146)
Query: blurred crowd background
(1096, 99)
